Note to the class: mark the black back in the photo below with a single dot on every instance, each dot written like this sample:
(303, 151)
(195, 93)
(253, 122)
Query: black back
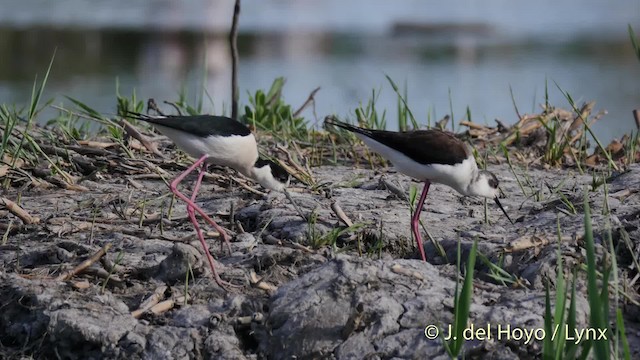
(422, 146)
(199, 125)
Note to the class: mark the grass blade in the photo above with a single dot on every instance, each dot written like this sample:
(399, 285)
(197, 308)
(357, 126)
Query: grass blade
(87, 109)
(37, 94)
(547, 345)
(404, 101)
(586, 125)
(462, 303)
(571, 348)
(33, 108)
(623, 336)
(634, 42)
(561, 297)
(597, 318)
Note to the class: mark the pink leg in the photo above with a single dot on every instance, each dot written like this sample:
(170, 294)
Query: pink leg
(196, 188)
(194, 221)
(415, 219)
(174, 189)
(191, 207)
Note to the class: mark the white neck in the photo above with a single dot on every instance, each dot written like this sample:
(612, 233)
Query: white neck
(479, 186)
(264, 177)
(461, 177)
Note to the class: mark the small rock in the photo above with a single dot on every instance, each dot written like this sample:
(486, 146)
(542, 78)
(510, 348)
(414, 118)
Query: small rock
(176, 266)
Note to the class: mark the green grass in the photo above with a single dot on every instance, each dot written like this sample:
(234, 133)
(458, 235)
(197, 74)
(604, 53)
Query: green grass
(368, 115)
(498, 273)
(598, 297)
(554, 150)
(462, 303)
(588, 128)
(268, 112)
(404, 112)
(558, 326)
(599, 284)
(505, 152)
(71, 127)
(631, 147)
(116, 263)
(331, 237)
(10, 118)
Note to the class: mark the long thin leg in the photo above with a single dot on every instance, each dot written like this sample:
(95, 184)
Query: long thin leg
(415, 219)
(192, 208)
(196, 188)
(174, 189)
(194, 221)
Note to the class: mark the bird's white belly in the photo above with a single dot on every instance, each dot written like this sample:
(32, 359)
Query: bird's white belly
(237, 152)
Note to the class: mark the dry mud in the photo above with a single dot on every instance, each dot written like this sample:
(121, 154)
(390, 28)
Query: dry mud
(365, 297)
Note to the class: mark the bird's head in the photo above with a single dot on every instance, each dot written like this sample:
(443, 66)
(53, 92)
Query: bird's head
(486, 185)
(270, 175)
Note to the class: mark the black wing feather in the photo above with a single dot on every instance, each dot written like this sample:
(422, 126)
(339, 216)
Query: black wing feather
(422, 146)
(199, 125)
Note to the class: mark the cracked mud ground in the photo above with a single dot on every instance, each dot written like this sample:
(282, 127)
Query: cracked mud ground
(367, 296)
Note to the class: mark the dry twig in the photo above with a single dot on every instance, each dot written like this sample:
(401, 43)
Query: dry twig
(233, 42)
(150, 302)
(134, 133)
(310, 99)
(261, 284)
(18, 211)
(529, 241)
(340, 214)
(399, 269)
(85, 264)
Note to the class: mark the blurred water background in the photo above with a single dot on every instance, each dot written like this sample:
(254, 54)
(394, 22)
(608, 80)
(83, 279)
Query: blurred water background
(449, 55)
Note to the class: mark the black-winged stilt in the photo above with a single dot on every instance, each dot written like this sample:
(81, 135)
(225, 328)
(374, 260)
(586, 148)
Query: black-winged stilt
(429, 156)
(215, 140)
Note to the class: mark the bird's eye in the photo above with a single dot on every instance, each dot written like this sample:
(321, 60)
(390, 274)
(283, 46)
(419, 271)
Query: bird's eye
(493, 183)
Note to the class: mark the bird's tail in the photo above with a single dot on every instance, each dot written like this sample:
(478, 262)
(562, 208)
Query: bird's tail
(137, 116)
(331, 120)
(144, 117)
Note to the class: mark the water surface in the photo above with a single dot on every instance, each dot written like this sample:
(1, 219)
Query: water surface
(450, 56)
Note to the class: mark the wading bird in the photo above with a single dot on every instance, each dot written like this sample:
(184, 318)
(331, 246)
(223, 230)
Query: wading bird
(216, 140)
(430, 156)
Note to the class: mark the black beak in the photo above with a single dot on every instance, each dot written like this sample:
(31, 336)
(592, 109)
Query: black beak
(501, 208)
